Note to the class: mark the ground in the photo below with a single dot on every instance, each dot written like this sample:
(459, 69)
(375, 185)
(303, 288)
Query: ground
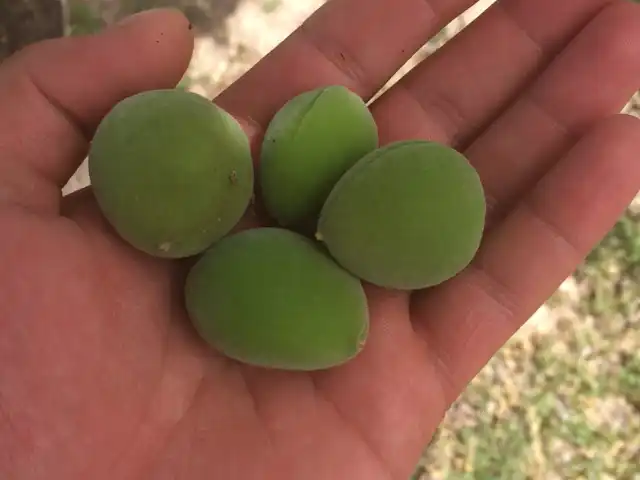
(562, 399)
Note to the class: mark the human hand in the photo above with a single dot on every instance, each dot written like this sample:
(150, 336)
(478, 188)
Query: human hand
(101, 375)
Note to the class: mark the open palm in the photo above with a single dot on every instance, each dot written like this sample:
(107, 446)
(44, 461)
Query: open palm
(101, 375)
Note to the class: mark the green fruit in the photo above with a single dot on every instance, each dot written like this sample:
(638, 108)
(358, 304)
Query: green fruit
(408, 215)
(270, 297)
(309, 144)
(171, 172)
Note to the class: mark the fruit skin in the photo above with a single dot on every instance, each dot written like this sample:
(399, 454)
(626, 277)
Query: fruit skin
(309, 144)
(409, 215)
(271, 297)
(171, 172)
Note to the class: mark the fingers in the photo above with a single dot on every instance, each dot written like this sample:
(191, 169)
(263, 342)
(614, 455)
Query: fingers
(593, 78)
(356, 43)
(527, 256)
(53, 94)
(454, 93)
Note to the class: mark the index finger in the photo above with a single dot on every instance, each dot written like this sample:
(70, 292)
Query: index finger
(356, 43)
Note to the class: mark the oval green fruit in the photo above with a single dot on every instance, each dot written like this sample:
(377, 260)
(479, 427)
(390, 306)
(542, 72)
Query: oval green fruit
(272, 298)
(171, 171)
(309, 144)
(407, 216)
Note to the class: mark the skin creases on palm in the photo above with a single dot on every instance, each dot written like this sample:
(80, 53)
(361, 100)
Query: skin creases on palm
(116, 372)
(101, 375)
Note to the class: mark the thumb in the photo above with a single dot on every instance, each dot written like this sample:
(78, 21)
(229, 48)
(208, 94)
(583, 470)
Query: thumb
(54, 94)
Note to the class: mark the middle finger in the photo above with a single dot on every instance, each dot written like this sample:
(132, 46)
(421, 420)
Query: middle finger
(594, 77)
(458, 90)
(356, 43)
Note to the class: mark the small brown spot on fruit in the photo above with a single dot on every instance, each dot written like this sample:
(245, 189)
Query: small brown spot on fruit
(233, 177)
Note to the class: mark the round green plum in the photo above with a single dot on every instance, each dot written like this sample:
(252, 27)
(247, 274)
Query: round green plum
(171, 172)
(272, 298)
(408, 215)
(309, 144)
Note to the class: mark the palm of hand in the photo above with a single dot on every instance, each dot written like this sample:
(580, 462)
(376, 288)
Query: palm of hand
(101, 375)
(127, 388)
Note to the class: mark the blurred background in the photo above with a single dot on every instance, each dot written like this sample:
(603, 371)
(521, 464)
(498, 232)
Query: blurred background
(562, 399)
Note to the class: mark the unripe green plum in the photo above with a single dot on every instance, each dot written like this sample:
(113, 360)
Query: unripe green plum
(309, 144)
(407, 216)
(270, 297)
(171, 172)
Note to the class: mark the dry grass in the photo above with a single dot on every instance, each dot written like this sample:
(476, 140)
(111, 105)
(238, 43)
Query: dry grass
(560, 404)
